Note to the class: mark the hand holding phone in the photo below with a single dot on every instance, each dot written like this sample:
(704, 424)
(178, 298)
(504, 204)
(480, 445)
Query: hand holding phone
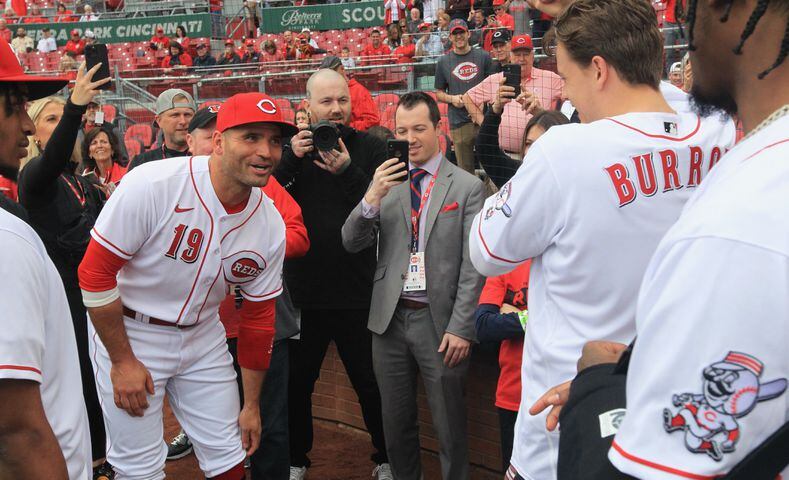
(512, 76)
(95, 54)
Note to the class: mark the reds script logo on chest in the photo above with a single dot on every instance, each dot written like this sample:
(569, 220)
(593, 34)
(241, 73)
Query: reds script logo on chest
(243, 267)
(466, 71)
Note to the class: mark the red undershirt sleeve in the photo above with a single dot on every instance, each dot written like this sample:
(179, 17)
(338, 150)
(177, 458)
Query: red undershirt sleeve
(99, 268)
(256, 334)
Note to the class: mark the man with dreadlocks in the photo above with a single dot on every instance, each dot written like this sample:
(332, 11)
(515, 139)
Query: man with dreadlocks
(706, 380)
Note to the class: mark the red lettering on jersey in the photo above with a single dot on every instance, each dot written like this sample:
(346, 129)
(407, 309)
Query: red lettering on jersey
(715, 156)
(670, 175)
(645, 171)
(193, 242)
(623, 186)
(696, 158)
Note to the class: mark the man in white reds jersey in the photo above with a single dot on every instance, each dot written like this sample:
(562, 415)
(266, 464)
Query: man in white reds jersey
(591, 202)
(43, 422)
(176, 234)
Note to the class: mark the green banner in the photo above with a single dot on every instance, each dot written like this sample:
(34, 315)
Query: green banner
(323, 17)
(126, 29)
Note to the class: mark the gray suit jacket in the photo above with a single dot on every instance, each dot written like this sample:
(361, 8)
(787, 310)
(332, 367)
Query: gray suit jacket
(453, 285)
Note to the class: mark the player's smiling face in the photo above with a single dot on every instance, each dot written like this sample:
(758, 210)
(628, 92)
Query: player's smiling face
(250, 153)
(415, 126)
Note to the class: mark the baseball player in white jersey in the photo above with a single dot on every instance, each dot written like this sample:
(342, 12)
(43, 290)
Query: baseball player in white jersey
(591, 202)
(177, 232)
(43, 420)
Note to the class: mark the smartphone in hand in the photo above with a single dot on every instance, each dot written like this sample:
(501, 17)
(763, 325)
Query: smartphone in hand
(398, 149)
(95, 54)
(512, 76)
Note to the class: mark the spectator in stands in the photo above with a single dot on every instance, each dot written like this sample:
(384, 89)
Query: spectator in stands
(429, 43)
(270, 52)
(414, 20)
(346, 58)
(458, 9)
(457, 72)
(250, 55)
(159, 40)
(375, 48)
(687, 74)
(75, 43)
(364, 112)
(101, 157)
(88, 15)
(333, 307)
(10, 15)
(675, 75)
(203, 58)
(405, 52)
(542, 90)
(182, 38)
(500, 48)
(47, 43)
(251, 19)
(5, 32)
(177, 59)
(174, 109)
(34, 16)
(393, 36)
(89, 122)
(672, 36)
(304, 50)
(394, 10)
(302, 117)
(501, 19)
(443, 30)
(519, 9)
(62, 14)
(306, 33)
(68, 62)
(89, 37)
(63, 206)
(229, 56)
(289, 45)
(22, 43)
(430, 9)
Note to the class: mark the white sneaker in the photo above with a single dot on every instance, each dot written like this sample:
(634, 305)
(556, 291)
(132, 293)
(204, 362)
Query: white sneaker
(383, 472)
(297, 473)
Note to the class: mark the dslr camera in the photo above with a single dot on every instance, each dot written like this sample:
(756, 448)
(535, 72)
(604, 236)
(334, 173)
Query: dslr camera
(325, 138)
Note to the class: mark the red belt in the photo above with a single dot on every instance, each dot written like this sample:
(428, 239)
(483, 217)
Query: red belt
(413, 305)
(152, 320)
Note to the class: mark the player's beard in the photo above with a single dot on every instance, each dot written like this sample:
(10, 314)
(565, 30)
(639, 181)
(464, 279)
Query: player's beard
(706, 104)
(10, 172)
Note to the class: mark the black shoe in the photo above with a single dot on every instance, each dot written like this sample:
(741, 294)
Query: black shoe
(179, 447)
(103, 472)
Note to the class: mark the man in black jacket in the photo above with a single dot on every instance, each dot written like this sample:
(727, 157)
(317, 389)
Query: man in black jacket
(174, 109)
(332, 287)
(203, 58)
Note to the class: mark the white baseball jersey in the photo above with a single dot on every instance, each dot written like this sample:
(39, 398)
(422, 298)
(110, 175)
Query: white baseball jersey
(37, 338)
(589, 206)
(708, 376)
(182, 245)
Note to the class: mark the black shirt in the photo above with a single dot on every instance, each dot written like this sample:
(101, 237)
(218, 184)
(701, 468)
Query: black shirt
(158, 153)
(328, 276)
(206, 61)
(13, 208)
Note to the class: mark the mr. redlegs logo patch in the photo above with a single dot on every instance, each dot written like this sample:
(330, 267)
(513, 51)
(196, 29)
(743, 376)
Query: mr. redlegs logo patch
(243, 267)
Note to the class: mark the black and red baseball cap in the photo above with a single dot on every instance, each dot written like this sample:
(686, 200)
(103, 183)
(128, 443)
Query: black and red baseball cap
(34, 87)
(458, 24)
(253, 107)
(204, 116)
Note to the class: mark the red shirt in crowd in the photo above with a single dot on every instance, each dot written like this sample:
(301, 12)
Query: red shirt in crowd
(185, 59)
(370, 51)
(66, 16)
(669, 14)
(364, 112)
(35, 19)
(161, 42)
(511, 288)
(405, 53)
(506, 20)
(77, 47)
(296, 245)
(117, 171)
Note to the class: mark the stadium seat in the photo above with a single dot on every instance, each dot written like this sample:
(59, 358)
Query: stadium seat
(141, 131)
(384, 100)
(110, 112)
(283, 103)
(388, 117)
(288, 114)
(133, 147)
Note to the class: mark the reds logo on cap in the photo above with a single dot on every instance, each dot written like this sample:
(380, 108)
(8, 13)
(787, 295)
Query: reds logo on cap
(243, 267)
(522, 41)
(267, 106)
(466, 71)
(214, 108)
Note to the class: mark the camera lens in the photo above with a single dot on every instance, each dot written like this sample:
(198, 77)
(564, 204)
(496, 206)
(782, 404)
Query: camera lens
(325, 136)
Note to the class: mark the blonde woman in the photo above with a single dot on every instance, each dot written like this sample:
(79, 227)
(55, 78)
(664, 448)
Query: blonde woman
(62, 207)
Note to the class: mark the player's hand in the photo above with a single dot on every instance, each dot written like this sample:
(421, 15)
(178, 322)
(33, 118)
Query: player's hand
(249, 422)
(554, 398)
(454, 348)
(531, 104)
(386, 176)
(301, 143)
(507, 308)
(335, 161)
(504, 95)
(550, 7)
(598, 353)
(85, 89)
(131, 381)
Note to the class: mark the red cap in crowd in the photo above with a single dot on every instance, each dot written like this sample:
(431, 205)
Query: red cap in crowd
(249, 42)
(230, 42)
(425, 25)
(522, 41)
(75, 32)
(253, 107)
(498, 3)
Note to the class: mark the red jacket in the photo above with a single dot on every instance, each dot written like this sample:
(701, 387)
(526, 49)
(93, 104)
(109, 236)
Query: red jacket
(405, 53)
(77, 47)
(364, 112)
(186, 60)
(163, 42)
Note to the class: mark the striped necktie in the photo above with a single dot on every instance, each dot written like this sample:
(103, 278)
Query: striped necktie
(416, 189)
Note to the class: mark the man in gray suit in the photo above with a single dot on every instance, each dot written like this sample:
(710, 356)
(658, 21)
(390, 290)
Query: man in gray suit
(425, 289)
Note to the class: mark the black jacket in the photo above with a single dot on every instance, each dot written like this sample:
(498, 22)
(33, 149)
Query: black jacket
(207, 61)
(157, 153)
(499, 166)
(328, 276)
